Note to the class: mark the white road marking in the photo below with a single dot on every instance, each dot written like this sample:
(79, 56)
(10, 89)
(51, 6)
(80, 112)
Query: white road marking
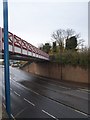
(20, 112)
(12, 116)
(81, 91)
(73, 94)
(26, 88)
(81, 112)
(10, 88)
(53, 101)
(4, 105)
(32, 91)
(29, 102)
(55, 85)
(49, 114)
(14, 80)
(62, 87)
(16, 93)
(71, 108)
(86, 90)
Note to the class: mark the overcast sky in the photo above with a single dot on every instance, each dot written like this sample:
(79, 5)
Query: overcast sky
(35, 21)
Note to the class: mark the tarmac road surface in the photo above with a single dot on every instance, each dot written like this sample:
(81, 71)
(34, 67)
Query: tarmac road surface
(37, 97)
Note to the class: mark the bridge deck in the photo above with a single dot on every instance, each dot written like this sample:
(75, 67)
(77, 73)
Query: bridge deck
(20, 47)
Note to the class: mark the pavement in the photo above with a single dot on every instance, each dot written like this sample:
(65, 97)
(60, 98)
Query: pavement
(38, 97)
(0, 93)
(4, 113)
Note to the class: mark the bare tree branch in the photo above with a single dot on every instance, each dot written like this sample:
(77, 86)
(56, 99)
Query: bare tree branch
(69, 33)
(59, 36)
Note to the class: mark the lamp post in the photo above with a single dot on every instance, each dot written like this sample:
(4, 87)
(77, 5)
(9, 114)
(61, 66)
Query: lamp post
(61, 60)
(6, 58)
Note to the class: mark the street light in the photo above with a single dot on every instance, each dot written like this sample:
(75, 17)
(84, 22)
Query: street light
(6, 57)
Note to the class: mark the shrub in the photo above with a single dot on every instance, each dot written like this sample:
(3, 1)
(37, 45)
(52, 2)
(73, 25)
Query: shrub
(73, 58)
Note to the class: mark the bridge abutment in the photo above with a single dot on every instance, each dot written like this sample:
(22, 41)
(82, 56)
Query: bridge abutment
(53, 70)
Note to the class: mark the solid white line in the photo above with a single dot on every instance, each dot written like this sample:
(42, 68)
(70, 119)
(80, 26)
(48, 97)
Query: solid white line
(20, 112)
(81, 91)
(50, 80)
(53, 101)
(16, 93)
(29, 102)
(10, 88)
(54, 84)
(81, 112)
(26, 87)
(85, 98)
(60, 86)
(12, 116)
(4, 105)
(64, 87)
(49, 114)
(86, 90)
(32, 91)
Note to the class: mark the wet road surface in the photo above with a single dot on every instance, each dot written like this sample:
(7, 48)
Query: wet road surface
(37, 97)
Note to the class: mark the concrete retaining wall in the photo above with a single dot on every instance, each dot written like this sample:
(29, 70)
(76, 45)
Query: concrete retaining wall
(53, 70)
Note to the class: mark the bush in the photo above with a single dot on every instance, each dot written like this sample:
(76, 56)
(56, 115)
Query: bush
(73, 58)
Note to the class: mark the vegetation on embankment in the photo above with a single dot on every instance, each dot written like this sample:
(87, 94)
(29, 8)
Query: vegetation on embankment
(74, 58)
(67, 49)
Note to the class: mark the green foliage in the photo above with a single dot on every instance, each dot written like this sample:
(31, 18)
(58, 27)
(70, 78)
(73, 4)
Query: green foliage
(83, 56)
(73, 58)
(46, 48)
(65, 52)
(89, 57)
(54, 47)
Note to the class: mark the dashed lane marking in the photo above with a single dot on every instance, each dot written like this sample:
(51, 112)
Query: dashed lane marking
(49, 114)
(16, 93)
(53, 101)
(29, 102)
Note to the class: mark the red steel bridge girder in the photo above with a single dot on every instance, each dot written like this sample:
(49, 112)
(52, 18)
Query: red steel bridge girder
(20, 46)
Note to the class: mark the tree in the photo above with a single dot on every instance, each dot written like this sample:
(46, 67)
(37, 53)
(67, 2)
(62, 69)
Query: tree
(54, 47)
(69, 33)
(41, 47)
(59, 37)
(71, 43)
(72, 39)
(80, 44)
(46, 47)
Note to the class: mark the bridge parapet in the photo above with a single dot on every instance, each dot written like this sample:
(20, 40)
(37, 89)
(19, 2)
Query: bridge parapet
(19, 46)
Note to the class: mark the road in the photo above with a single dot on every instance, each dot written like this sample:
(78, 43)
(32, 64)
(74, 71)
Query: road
(38, 97)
